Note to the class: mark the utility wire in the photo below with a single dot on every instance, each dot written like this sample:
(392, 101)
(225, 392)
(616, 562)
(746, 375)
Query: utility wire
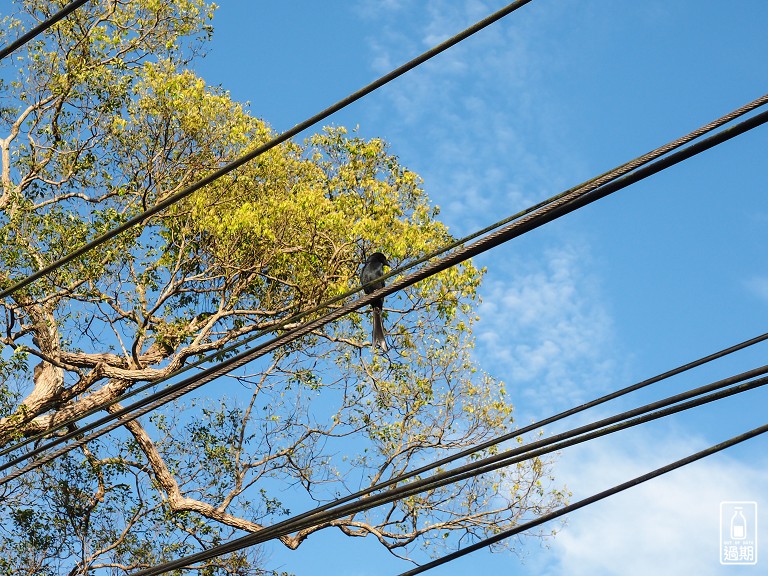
(622, 169)
(589, 185)
(544, 215)
(218, 174)
(140, 218)
(577, 201)
(40, 28)
(655, 410)
(287, 135)
(588, 501)
(483, 466)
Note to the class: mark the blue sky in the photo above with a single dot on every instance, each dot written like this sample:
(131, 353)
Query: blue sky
(659, 274)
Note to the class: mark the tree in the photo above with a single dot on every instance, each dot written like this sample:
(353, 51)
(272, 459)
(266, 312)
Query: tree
(101, 118)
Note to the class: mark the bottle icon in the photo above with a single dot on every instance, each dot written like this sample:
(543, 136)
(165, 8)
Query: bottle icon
(738, 525)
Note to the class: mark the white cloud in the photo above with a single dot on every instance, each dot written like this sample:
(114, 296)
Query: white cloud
(467, 122)
(476, 124)
(471, 121)
(544, 329)
(758, 286)
(669, 525)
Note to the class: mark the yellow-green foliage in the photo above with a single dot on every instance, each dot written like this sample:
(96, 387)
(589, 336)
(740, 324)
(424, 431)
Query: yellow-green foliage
(300, 214)
(108, 122)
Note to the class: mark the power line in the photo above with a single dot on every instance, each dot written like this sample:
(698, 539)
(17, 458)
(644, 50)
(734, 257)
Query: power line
(653, 411)
(71, 7)
(40, 28)
(589, 185)
(287, 135)
(588, 501)
(559, 208)
(548, 446)
(571, 204)
(592, 183)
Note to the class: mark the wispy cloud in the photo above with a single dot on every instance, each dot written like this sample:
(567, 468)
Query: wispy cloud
(477, 125)
(758, 286)
(543, 326)
(669, 525)
(472, 122)
(480, 128)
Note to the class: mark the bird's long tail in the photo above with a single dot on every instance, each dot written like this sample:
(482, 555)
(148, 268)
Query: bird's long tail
(379, 339)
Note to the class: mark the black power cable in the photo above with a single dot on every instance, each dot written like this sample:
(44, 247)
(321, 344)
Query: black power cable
(244, 159)
(559, 208)
(653, 411)
(544, 447)
(40, 28)
(588, 501)
(583, 187)
(74, 5)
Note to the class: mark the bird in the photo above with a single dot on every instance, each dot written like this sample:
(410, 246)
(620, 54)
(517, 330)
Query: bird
(373, 269)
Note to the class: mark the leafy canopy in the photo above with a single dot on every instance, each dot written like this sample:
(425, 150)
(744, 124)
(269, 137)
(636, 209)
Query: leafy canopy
(102, 117)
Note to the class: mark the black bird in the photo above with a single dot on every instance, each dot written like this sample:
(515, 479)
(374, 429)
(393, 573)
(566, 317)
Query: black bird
(373, 269)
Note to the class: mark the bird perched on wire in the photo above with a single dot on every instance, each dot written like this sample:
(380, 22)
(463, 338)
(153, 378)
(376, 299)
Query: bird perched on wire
(373, 269)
